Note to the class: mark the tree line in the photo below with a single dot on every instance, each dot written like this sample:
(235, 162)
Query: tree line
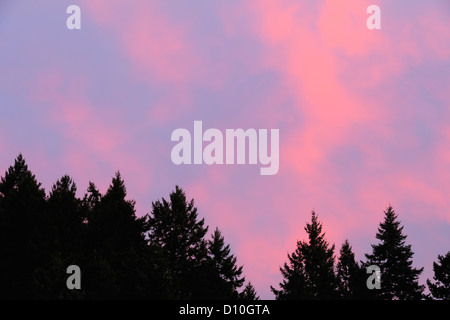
(169, 254)
(311, 271)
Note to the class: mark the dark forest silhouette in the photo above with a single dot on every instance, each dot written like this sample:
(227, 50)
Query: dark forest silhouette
(169, 254)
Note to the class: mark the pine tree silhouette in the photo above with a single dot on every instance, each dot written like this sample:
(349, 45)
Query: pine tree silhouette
(310, 272)
(249, 293)
(224, 265)
(179, 237)
(351, 277)
(121, 256)
(119, 251)
(65, 210)
(440, 288)
(27, 237)
(399, 280)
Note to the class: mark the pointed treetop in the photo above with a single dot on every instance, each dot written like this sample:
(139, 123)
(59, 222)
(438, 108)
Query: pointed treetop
(93, 195)
(390, 229)
(309, 272)
(217, 247)
(390, 214)
(117, 187)
(19, 178)
(65, 184)
(20, 161)
(394, 257)
(440, 287)
(93, 189)
(225, 262)
(249, 293)
(314, 230)
(178, 197)
(19, 166)
(346, 247)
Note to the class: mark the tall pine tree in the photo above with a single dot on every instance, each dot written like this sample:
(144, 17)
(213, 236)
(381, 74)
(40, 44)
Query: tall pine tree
(440, 287)
(228, 274)
(27, 235)
(310, 272)
(65, 209)
(351, 277)
(66, 212)
(399, 279)
(120, 263)
(179, 236)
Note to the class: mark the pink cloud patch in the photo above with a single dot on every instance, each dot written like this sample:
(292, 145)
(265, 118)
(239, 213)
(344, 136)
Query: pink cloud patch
(156, 46)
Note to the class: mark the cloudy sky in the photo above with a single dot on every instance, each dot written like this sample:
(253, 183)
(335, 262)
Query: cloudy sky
(363, 114)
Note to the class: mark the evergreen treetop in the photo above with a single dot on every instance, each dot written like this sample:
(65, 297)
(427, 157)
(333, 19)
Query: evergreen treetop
(399, 279)
(310, 272)
(225, 267)
(440, 287)
(249, 293)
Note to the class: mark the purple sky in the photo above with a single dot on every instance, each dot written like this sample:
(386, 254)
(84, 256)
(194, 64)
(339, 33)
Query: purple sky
(363, 114)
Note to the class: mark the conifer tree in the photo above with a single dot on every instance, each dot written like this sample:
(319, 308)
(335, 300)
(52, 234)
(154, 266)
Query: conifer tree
(114, 222)
(179, 236)
(351, 277)
(249, 293)
(91, 199)
(65, 209)
(310, 272)
(399, 279)
(224, 264)
(120, 264)
(27, 237)
(440, 288)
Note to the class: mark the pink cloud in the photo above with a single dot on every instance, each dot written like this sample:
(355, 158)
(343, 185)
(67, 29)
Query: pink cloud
(157, 47)
(168, 108)
(307, 58)
(162, 52)
(311, 71)
(342, 26)
(68, 105)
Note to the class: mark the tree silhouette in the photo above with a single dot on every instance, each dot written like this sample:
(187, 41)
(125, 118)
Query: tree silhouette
(65, 210)
(27, 237)
(399, 280)
(249, 293)
(165, 254)
(351, 277)
(66, 213)
(440, 288)
(310, 272)
(228, 274)
(119, 247)
(179, 237)
(121, 256)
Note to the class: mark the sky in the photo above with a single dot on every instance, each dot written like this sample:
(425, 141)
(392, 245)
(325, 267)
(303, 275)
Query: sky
(363, 115)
